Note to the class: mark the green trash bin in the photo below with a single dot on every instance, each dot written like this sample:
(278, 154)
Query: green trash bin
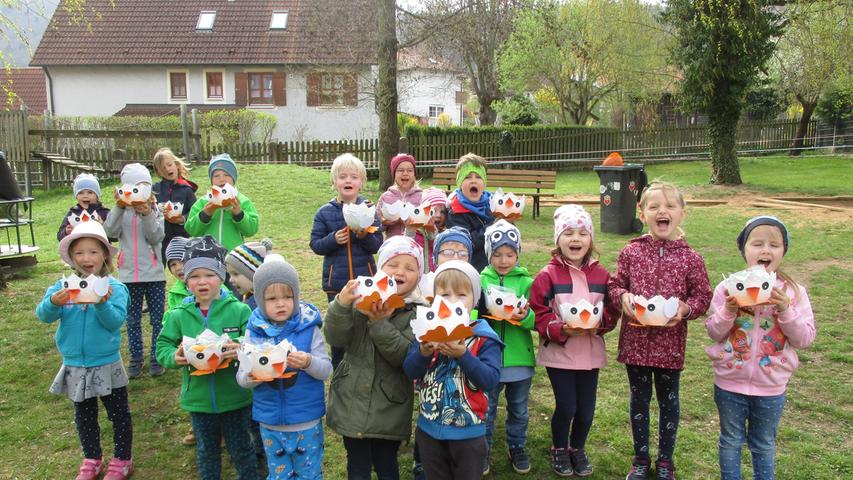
(620, 189)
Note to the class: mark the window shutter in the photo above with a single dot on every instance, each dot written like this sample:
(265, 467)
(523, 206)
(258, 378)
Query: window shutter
(312, 81)
(279, 94)
(350, 90)
(241, 89)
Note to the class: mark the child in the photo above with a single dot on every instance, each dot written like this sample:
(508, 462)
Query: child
(241, 264)
(469, 205)
(89, 340)
(174, 187)
(346, 254)
(87, 191)
(503, 246)
(658, 263)
(453, 380)
(370, 398)
(227, 225)
(453, 243)
(755, 354)
(175, 262)
(140, 233)
(436, 199)
(405, 188)
(289, 410)
(218, 406)
(572, 357)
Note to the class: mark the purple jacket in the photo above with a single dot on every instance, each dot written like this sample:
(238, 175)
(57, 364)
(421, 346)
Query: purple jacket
(650, 267)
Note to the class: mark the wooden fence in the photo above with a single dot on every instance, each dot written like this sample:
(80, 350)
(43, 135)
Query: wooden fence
(14, 141)
(315, 154)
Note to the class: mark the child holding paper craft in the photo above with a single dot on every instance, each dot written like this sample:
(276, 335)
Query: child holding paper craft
(404, 190)
(230, 221)
(503, 246)
(174, 187)
(175, 263)
(346, 253)
(469, 205)
(89, 339)
(370, 398)
(290, 410)
(219, 408)
(454, 379)
(242, 262)
(755, 354)
(659, 263)
(139, 228)
(573, 312)
(87, 192)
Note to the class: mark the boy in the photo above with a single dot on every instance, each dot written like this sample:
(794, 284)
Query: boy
(218, 406)
(469, 205)
(87, 191)
(227, 225)
(452, 244)
(242, 262)
(175, 261)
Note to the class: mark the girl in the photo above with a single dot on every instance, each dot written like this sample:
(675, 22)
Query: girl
(406, 189)
(140, 233)
(174, 187)
(370, 398)
(289, 410)
(755, 355)
(572, 357)
(89, 339)
(658, 263)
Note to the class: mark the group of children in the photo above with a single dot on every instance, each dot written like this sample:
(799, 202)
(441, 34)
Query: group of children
(376, 364)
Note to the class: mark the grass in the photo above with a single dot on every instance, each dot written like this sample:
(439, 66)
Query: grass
(38, 439)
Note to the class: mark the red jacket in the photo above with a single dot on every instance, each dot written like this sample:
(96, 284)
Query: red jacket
(650, 267)
(560, 282)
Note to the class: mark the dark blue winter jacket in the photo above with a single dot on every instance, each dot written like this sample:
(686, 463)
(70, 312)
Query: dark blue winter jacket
(180, 191)
(341, 263)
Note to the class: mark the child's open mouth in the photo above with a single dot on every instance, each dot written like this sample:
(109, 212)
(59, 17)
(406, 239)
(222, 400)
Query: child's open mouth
(400, 282)
(663, 222)
(764, 263)
(473, 191)
(575, 248)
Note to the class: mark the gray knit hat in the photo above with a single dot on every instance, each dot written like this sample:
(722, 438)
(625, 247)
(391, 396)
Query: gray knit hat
(175, 249)
(275, 269)
(204, 252)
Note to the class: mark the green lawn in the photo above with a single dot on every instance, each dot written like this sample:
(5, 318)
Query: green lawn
(38, 439)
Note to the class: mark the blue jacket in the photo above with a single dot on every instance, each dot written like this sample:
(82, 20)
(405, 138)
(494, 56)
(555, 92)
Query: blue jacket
(453, 399)
(88, 335)
(292, 400)
(341, 263)
(181, 191)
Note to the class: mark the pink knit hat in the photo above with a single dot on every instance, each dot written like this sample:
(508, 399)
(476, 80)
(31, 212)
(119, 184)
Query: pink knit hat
(572, 216)
(400, 158)
(401, 245)
(435, 196)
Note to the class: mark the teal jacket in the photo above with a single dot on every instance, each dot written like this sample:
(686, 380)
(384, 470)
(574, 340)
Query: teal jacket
(216, 392)
(88, 335)
(221, 225)
(518, 349)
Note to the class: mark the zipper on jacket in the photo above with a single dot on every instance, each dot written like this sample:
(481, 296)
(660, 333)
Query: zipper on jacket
(221, 216)
(503, 326)
(212, 375)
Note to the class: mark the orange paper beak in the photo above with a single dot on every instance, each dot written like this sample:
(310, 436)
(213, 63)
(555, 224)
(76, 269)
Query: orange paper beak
(213, 361)
(753, 293)
(640, 310)
(443, 311)
(508, 308)
(383, 284)
(585, 316)
(127, 194)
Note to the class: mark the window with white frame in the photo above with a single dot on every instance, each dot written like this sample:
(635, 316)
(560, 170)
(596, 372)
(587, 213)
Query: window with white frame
(434, 112)
(278, 20)
(205, 20)
(177, 85)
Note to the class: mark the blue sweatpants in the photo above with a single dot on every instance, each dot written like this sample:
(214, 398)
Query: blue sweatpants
(294, 454)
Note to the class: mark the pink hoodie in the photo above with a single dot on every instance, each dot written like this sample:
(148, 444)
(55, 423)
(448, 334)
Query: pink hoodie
(412, 196)
(755, 354)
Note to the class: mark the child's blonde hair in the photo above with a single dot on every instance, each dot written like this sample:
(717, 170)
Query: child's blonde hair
(106, 269)
(454, 280)
(164, 154)
(348, 161)
(666, 187)
(473, 158)
(277, 289)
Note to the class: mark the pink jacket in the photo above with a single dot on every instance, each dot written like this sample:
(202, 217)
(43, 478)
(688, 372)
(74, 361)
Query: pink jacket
(755, 352)
(412, 196)
(560, 282)
(650, 267)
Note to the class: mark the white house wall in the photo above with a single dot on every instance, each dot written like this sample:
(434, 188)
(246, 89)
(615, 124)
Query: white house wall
(420, 88)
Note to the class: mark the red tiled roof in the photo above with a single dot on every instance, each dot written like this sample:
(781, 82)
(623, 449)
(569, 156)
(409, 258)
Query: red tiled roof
(134, 32)
(28, 85)
(163, 109)
(418, 57)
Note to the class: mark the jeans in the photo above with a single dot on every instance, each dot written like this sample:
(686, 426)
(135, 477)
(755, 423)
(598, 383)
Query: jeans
(747, 419)
(516, 412)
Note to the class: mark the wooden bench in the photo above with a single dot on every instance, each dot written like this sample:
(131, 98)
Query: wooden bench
(535, 183)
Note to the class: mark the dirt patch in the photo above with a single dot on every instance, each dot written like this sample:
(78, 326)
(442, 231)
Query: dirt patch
(803, 272)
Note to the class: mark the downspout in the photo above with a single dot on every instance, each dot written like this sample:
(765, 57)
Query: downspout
(49, 89)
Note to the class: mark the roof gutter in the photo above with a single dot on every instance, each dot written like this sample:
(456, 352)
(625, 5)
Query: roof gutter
(49, 89)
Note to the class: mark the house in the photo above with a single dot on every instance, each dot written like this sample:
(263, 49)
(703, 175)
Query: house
(23, 87)
(428, 85)
(311, 63)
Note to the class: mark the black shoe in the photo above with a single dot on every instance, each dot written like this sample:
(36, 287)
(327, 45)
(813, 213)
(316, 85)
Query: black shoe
(134, 368)
(561, 462)
(639, 469)
(519, 459)
(580, 463)
(155, 369)
(664, 470)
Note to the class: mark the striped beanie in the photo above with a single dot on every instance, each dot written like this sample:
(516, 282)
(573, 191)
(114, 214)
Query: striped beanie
(246, 258)
(435, 197)
(175, 249)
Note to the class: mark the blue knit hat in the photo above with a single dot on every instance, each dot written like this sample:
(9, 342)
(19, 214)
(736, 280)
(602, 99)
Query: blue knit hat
(453, 234)
(223, 162)
(502, 233)
(87, 181)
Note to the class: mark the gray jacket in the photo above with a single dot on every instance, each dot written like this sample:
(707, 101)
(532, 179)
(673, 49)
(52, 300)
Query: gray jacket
(139, 238)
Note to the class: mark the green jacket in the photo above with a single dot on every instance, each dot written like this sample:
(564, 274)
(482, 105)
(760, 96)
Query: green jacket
(177, 293)
(370, 395)
(222, 227)
(217, 392)
(518, 350)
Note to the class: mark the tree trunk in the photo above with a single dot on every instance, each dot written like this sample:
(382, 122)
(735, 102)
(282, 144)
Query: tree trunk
(386, 90)
(723, 119)
(803, 126)
(487, 114)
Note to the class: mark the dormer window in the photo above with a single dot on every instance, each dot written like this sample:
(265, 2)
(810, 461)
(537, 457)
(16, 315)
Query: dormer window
(205, 20)
(278, 21)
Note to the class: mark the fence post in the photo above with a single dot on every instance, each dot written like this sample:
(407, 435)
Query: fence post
(185, 129)
(48, 124)
(196, 137)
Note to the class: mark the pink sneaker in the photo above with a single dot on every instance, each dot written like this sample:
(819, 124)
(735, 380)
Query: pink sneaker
(91, 469)
(119, 469)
